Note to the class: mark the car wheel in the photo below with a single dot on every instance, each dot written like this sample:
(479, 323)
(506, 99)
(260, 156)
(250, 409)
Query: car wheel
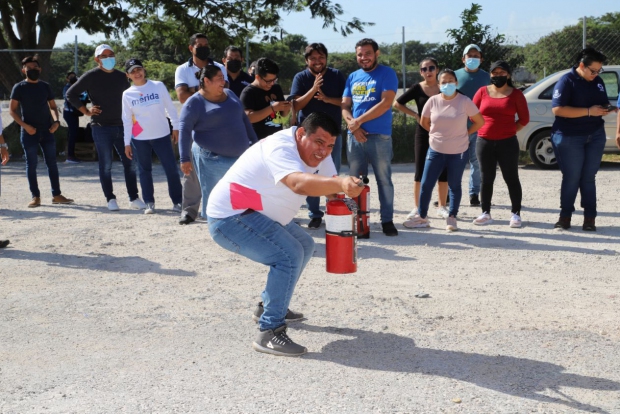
(541, 151)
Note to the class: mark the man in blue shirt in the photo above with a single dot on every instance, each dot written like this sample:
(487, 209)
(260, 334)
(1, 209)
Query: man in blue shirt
(318, 89)
(471, 78)
(367, 110)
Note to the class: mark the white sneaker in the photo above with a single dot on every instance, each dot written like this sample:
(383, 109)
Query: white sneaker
(137, 204)
(416, 221)
(484, 218)
(150, 208)
(442, 212)
(177, 208)
(113, 205)
(451, 224)
(515, 221)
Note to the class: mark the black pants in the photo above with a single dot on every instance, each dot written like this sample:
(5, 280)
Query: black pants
(73, 124)
(504, 152)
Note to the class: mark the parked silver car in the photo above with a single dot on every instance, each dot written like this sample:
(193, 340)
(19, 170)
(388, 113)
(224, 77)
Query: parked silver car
(536, 136)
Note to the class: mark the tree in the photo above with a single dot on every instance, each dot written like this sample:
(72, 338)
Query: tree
(492, 43)
(221, 19)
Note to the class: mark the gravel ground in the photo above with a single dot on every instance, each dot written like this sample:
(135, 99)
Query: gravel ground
(106, 312)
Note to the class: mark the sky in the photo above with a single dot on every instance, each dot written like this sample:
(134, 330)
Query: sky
(523, 21)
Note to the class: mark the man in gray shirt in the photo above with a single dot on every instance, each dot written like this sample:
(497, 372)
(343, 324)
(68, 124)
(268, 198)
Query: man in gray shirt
(105, 86)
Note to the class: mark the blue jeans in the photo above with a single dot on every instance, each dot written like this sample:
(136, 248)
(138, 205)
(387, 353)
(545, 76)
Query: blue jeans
(377, 150)
(210, 168)
(285, 249)
(474, 166)
(31, 143)
(144, 154)
(107, 139)
(435, 164)
(579, 158)
(313, 202)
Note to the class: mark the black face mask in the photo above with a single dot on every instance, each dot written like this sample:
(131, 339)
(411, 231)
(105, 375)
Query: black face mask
(233, 66)
(203, 52)
(499, 81)
(72, 80)
(33, 74)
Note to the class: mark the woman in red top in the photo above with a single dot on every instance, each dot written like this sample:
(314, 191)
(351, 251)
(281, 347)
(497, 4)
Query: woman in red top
(497, 139)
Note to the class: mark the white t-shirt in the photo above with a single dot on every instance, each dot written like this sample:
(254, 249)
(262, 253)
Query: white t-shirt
(144, 112)
(448, 133)
(254, 180)
(185, 74)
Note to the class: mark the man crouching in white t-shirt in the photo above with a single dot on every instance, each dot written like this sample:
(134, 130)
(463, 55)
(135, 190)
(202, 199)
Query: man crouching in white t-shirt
(251, 210)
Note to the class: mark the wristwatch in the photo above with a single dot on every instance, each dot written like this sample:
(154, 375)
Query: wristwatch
(5, 145)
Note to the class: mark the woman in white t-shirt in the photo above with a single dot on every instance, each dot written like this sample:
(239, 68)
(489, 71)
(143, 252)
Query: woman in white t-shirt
(445, 117)
(146, 109)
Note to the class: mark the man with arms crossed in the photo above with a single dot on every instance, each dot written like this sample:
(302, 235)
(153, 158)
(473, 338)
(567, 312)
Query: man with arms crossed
(318, 89)
(186, 84)
(251, 211)
(367, 110)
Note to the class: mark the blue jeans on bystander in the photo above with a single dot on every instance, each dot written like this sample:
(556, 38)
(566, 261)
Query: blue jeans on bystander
(31, 143)
(210, 167)
(313, 202)
(144, 154)
(285, 249)
(474, 166)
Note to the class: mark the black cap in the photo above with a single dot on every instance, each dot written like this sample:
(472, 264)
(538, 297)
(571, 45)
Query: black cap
(501, 64)
(131, 64)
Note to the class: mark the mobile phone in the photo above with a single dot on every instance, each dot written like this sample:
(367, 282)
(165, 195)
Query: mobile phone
(610, 108)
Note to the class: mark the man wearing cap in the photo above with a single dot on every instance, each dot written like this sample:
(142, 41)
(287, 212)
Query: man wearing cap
(471, 78)
(237, 78)
(105, 86)
(186, 84)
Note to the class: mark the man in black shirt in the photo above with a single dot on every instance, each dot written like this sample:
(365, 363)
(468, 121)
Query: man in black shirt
(105, 86)
(237, 78)
(38, 121)
(263, 99)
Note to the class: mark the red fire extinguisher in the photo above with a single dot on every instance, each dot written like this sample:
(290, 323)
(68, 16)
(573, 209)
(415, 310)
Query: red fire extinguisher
(340, 240)
(363, 211)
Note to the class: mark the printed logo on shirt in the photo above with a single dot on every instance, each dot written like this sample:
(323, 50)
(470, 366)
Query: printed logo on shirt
(601, 88)
(146, 100)
(556, 94)
(361, 91)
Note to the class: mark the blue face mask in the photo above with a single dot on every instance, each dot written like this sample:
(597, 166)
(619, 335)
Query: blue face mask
(448, 89)
(472, 63)
(108, 63)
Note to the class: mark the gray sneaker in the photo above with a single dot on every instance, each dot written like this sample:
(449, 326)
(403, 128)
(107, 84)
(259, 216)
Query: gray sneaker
(291, 316)
(277, 342)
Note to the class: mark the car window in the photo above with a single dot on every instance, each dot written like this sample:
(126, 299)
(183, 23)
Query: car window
(611, 83)
(547, 93)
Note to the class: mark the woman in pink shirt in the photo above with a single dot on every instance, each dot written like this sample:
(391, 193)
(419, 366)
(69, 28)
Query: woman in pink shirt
(445, 117)
(497, 139)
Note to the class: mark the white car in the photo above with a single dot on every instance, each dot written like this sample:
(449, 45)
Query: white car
(535, 137)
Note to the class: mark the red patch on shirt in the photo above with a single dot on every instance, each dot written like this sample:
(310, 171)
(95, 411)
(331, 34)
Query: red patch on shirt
(243, 198)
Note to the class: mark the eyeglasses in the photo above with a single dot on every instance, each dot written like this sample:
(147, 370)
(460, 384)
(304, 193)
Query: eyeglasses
(595, 72)
(269, 82)
(428, 68)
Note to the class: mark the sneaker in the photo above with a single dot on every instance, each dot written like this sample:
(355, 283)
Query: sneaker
(72, 160)
(315, 223)
(588, 224)
(515, 221)
(442, 212)
(277, 342)
(291, 316)
(474, 201)
(113, 205)
(61, 199)
(416, 221)
(137, 204)
(451, 224)
(563, 223)
(177, 208)
(35, 202)
(186, 219)
(389, 229)
(4, 243)
(150, 208)
(484, 218)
